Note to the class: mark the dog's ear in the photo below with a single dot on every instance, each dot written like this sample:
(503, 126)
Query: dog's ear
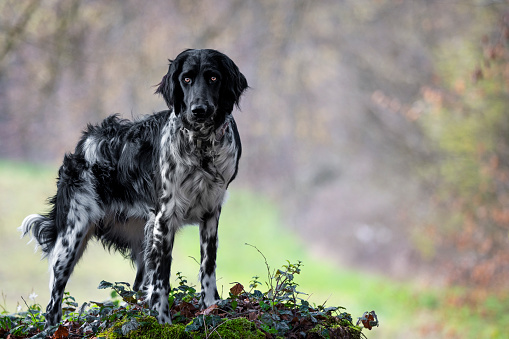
(233, 84)
(169, 86)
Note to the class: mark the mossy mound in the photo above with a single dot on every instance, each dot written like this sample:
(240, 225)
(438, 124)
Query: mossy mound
(332, 332)
(277, 313)
(148, 328)
(238, 328)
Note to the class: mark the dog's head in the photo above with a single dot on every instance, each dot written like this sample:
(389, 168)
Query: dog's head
(203, 85)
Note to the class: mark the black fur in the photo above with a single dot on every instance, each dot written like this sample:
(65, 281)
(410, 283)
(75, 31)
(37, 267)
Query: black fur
(132, 184)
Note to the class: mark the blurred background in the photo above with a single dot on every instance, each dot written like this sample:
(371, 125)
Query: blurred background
(375, 136)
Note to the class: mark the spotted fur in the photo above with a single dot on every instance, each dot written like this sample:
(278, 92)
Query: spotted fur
(133, 184)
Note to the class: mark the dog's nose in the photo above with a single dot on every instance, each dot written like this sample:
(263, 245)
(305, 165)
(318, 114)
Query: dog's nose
(199, 109)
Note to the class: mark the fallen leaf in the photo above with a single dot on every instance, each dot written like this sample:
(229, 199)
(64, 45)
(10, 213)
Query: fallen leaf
(209, 309)
(61, 333)
(369, 319)
(253, 316)
(186, 309)
(236, 289)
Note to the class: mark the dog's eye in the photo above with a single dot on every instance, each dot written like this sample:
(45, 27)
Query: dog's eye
(187, 80)
(213, 79)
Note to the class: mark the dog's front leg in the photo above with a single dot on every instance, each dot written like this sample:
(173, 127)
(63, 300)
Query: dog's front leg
(208, 249)
(158, 260)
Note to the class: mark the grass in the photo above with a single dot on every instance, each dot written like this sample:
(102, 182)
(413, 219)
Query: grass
(405, 309)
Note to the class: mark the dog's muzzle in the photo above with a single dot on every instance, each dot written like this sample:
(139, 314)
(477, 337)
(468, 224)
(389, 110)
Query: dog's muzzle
(201, 112)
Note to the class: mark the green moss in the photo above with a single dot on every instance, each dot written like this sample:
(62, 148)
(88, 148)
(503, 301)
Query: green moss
(334, 331)
(148, 329)
(153, 330)
(319, 331)
(112, 332)
(238, 328)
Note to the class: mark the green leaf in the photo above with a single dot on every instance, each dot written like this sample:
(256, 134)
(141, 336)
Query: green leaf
(130, 326)
(287, 312)
(195, 325)
(104, 284)
(282, 327)
(258, 294)
(171, 300)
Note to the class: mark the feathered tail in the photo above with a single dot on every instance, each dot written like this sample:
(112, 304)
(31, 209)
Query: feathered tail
(43, 231)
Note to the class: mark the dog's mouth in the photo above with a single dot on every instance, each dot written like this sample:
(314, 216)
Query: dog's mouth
(202, 124)
(203, 119)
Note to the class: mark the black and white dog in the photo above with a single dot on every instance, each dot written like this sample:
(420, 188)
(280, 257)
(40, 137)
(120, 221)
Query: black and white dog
(133, 184)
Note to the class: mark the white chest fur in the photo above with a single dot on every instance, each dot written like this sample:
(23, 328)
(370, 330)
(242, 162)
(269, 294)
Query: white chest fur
(194, 180)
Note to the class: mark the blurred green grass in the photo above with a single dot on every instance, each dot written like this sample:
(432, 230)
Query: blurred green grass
(405, 309)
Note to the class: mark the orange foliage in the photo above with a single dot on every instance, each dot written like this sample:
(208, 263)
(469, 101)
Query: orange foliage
(475, 249)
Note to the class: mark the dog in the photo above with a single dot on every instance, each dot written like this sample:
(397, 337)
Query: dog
(133, 184)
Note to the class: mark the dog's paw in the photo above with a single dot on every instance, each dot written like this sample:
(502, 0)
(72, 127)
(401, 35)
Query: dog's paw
(207, 301)
(163, 319)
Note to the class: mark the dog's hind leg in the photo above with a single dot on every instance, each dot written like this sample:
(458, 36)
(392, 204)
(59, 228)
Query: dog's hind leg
(146, 275)
(69, 247)
(208, 250)
(137, 256)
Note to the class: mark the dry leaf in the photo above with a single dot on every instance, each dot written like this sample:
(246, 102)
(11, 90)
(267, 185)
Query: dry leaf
(61, 333)
(209, 309)
(186, 309)
(253, 316)
(369, 319)
(236, 289)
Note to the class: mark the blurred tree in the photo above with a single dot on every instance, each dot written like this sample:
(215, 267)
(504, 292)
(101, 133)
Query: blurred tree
(319, 124)
(14, 29)
(468, 120)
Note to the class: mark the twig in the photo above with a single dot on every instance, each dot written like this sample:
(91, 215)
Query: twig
(29, 310)
(270, 278)
(266, 264)
(323, 305)
(190, 256)
(4, 297)
(205, 326)
(215, 329)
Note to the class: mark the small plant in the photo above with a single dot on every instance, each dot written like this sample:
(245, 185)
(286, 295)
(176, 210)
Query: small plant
(25, 323)
(281, 311)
